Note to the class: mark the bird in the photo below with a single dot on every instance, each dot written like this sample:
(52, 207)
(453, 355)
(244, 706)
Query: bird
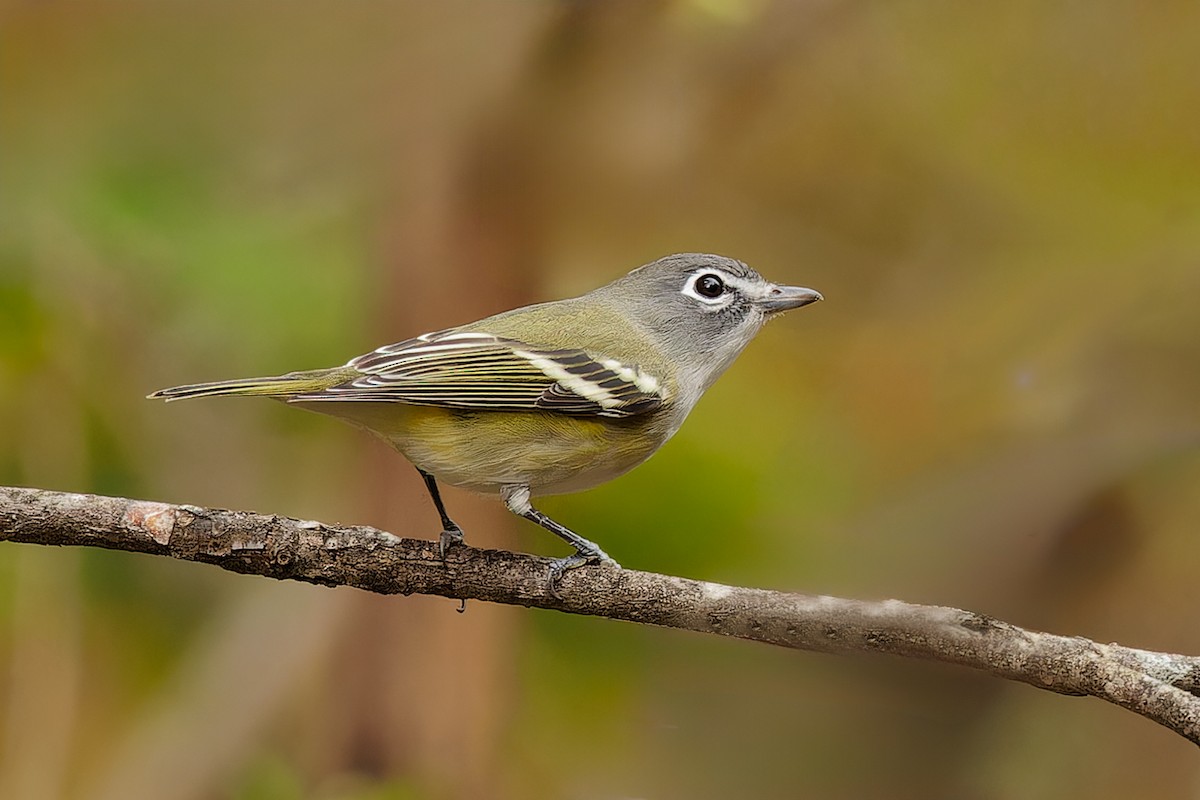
(549, 398)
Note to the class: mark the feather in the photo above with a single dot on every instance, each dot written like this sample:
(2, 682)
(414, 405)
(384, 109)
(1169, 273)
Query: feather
(475, 370)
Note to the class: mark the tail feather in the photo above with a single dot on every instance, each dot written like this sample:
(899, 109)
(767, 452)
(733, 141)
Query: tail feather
(277, 386)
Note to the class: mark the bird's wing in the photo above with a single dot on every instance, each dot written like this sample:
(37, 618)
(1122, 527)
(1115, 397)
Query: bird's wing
(469, 370)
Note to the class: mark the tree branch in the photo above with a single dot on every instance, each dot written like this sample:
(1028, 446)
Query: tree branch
(1160, 686)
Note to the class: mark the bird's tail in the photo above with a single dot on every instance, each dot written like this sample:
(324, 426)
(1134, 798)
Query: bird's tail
(276, 386)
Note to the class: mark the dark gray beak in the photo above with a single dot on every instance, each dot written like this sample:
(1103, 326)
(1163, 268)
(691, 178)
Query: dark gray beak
(785, 298)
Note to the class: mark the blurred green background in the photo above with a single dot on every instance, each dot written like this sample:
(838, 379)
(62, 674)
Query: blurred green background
(997, 408)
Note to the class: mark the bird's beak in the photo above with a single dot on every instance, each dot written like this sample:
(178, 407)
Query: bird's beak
(785, 298)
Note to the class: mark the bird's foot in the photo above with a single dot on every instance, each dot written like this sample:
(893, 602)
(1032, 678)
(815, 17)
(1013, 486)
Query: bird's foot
(561, 566)
(448, 538)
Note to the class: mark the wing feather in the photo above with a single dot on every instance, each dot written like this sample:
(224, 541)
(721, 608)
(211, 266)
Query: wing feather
(471, 370)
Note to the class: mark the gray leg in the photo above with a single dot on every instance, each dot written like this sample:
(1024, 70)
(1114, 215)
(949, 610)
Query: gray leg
(586, 551)
(451, 533)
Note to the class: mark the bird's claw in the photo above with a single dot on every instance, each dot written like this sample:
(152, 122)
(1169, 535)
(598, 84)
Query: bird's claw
(561, 566)
(449, 538)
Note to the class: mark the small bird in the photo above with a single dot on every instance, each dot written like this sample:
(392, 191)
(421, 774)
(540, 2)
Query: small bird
(549, 398)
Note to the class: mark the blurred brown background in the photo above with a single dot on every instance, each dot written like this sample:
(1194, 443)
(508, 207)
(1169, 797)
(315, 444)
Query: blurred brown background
(997, 408)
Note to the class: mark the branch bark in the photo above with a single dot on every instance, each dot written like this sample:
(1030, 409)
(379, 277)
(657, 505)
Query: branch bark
(1162, 687)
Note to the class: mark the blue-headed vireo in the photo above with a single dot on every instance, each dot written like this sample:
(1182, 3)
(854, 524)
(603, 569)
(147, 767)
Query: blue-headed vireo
(549, 398)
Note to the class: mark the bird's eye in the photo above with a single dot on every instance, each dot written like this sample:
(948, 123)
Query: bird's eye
(710, 286)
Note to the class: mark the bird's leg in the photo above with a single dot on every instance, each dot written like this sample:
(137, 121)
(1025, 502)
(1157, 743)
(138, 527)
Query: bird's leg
(451, 533)
(586, 551)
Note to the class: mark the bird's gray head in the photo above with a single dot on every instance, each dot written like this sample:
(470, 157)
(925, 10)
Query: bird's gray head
(703, 309)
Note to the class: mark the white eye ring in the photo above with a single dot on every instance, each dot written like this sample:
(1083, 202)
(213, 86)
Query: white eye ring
(726, 291)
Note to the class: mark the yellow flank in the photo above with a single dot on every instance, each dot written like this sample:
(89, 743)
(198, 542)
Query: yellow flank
(484, 450)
